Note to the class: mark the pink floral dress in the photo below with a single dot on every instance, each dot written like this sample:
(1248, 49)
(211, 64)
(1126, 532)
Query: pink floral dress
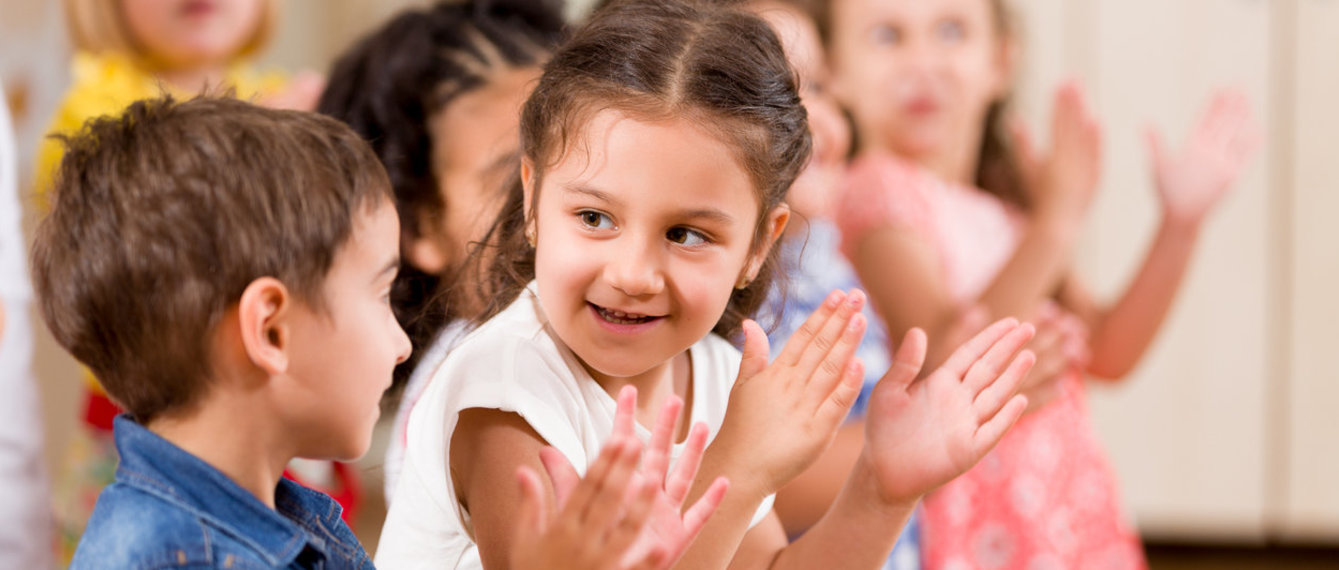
(1046, 497)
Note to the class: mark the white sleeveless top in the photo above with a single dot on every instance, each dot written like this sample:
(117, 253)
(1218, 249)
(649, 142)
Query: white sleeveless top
(515, 363)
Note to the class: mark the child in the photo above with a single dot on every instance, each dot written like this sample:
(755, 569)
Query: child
(966, 220)
(225, 270)
(127, 50)
(25, 499)
(443, 119)
(810, 255)
(657, 150)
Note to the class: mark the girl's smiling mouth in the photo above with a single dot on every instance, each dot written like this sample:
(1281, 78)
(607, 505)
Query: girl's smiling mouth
(621, 320)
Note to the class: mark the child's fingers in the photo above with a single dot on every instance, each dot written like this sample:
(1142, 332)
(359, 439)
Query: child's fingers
(607, 493)
(835, 334)
(962, 359)
(908, 360)
(838, 403)
(697, 515)
(615, 452)
(678, 484)
(561, 473)
(992, 364)
(625, 412)
(534, 515)
(990, 432)
(831, 370)
(799, 342)
(636, 512)
(656, 462)
(755, 351)
(1001, 389)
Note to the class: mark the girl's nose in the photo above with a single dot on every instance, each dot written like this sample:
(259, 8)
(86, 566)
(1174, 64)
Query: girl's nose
(635, 270)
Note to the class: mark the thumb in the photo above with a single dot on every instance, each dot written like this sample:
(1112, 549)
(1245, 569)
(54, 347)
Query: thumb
(534, 506)
(1157, 146)
(908, 360)
(756, 351)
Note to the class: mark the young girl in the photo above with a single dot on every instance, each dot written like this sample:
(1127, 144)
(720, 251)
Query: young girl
(442, 116)
(657, 149)
(814, 266)
(127, 50)
(939, 213)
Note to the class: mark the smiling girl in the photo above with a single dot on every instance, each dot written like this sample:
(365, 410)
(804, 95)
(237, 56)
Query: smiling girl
(657, 150)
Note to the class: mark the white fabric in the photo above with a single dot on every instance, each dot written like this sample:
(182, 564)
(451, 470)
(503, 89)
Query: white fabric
(413, 390)
(25, 502)
(515, 363)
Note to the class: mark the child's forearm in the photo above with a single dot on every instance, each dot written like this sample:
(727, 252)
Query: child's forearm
(859, 531)
(1125, 331)
(1033, 271)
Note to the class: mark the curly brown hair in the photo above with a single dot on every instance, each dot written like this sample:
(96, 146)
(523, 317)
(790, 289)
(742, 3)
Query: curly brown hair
(716, 65)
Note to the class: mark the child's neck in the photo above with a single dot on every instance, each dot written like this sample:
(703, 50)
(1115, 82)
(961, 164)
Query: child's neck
(250, 453)
(654, 387)
(953, 163)
(194, 79)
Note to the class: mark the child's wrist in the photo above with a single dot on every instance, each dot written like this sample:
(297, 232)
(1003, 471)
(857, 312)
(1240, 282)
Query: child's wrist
(870, 493)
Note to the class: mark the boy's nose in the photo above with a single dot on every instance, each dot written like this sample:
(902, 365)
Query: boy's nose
(402, 345)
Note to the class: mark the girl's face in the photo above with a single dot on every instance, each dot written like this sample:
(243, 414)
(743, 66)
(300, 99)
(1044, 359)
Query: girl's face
(812, 193)
(475, 143)
(643, 231)
(918, 75)
(190, 33)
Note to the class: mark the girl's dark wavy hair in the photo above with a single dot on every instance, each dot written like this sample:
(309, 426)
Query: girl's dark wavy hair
(653, 60)
(393, 81)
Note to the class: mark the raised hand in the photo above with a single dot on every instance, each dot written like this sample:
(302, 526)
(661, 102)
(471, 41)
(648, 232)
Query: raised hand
(1193, 178)
(620, 515)
(919, 434)
(782, 416)
(1061, 344)
(1062, 181)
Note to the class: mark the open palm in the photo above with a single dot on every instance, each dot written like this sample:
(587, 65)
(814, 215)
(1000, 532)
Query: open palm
(922, 433)
(1193, 178)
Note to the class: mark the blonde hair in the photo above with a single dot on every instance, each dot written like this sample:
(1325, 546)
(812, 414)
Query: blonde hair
(97, 26)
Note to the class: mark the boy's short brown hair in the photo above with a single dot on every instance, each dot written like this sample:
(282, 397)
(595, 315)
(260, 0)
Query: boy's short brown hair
(161, 217)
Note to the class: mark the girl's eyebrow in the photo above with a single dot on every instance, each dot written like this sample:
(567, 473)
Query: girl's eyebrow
(711, 214)
(390, 268)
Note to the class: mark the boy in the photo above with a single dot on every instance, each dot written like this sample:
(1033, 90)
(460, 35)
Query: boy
(225, 271)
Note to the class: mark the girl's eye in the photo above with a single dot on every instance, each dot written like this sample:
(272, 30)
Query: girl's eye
(595, 220)
(951, 31)
(685, 236)
(885, 34)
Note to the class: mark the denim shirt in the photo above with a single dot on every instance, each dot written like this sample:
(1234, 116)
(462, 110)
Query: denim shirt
(170, 509)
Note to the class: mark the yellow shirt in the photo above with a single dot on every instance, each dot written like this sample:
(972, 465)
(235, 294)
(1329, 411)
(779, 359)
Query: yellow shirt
(105, 84)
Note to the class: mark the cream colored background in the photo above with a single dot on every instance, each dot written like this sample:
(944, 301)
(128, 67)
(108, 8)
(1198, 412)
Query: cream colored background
(1228, 431)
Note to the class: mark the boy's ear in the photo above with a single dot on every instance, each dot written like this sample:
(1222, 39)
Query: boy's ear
(775, 226)
(263, 315)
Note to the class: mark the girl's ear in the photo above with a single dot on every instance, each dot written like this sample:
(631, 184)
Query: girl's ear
(1006, 66)
(775, 227)
(263, 315)
(428, 251)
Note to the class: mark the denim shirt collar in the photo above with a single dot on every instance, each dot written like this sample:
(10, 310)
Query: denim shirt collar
(301, 516)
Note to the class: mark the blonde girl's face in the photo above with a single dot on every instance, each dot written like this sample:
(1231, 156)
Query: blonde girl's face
(918, 75)
(189, 33)
(812, 193)
(643, 231)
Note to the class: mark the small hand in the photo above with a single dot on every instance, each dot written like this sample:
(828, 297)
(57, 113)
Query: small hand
(782, 416)
(922, 433)
(1063, 181)
(1193, 179)
(654, 529)
(1060, 345)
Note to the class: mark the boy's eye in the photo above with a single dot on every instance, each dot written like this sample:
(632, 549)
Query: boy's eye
(593, 219)
(951, 31)
(885, 34)
(685, 236)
